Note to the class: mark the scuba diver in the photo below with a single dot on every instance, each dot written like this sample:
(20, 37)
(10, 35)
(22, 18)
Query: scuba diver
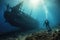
(46, 23)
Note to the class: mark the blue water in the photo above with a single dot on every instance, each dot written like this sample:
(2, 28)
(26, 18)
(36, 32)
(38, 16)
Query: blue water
(38, 14)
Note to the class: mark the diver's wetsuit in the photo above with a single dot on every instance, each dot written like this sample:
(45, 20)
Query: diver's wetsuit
(47, 25)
